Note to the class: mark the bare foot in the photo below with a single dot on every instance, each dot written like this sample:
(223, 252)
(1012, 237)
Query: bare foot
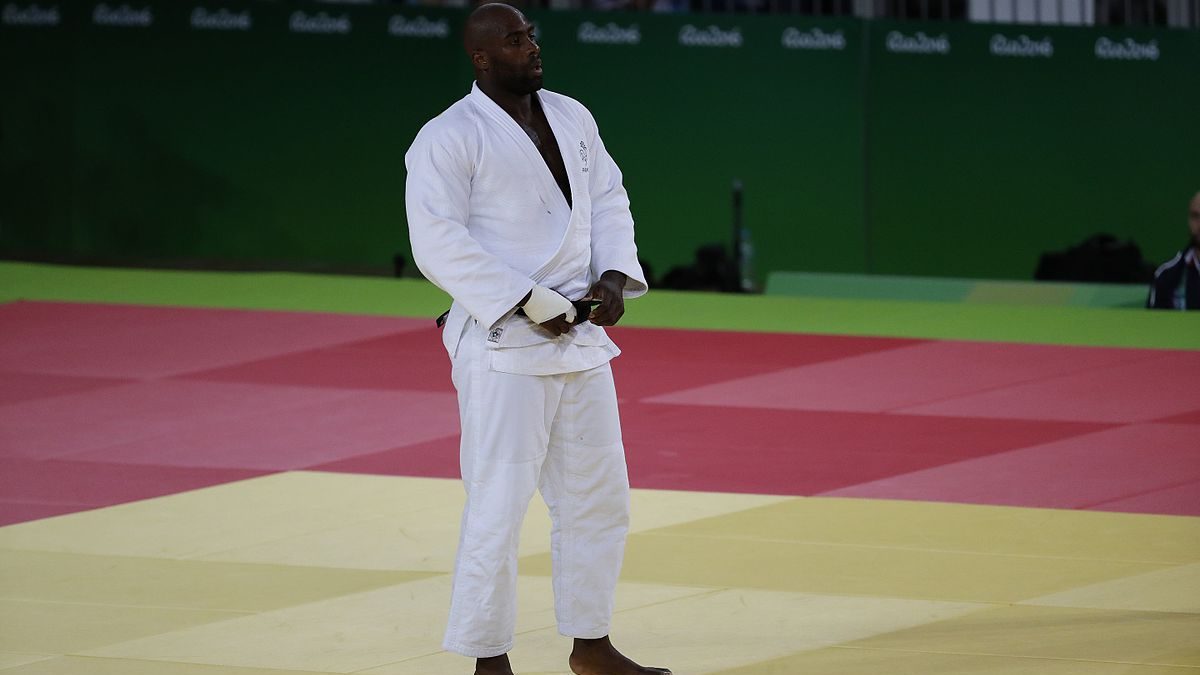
(496, 665)
(599, 657)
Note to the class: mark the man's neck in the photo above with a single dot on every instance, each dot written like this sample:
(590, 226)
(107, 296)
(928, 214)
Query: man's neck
(518, 106)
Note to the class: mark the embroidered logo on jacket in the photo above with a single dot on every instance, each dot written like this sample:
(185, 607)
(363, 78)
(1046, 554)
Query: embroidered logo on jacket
(583, 155)
(494, 335)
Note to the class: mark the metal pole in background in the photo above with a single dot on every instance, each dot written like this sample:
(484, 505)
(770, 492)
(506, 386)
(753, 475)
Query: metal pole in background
(865, 54)
(743, 251)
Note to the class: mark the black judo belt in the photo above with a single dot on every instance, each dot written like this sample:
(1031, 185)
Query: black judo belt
(582, 309)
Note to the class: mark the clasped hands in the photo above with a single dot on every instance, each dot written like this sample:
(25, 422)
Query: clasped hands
(608, 291)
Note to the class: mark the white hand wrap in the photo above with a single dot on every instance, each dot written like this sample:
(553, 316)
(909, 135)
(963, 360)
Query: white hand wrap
(545, 304)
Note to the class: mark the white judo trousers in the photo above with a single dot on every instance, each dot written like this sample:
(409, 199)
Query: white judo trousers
(559, 434)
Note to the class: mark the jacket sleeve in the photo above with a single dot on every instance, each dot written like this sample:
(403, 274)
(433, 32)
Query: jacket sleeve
(437, 194)
(1166, 278)
(613, 247)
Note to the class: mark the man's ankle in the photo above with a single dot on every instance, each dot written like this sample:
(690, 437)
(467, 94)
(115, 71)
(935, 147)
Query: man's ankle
(593, 643)
(494, 665)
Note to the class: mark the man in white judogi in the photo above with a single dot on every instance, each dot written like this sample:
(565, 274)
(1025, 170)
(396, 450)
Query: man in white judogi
(517, 211)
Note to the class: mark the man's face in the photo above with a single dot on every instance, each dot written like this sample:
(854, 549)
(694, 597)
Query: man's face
(515, 59)
(1194, 218)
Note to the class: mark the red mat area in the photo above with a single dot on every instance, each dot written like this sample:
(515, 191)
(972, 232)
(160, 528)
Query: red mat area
(432, 459)
(1129, 392)
(169, 410)
(1192, 417)
(662, 361)
(1082, 471)
(105, 404)
(415, 360)
(345, 425)
(1179, 500)
(912, 375)
(38, 489)
(733, 449)
(28, 386)
(130, 341)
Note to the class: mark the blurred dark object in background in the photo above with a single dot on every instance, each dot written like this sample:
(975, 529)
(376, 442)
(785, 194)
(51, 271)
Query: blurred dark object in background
(1099, 258)
(713, 270)
(648, 272)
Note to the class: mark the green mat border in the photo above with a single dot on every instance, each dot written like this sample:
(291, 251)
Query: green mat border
(1062, 325)
(939, 289)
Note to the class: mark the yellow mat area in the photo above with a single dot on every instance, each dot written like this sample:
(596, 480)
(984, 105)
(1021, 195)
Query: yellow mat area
(309, 572)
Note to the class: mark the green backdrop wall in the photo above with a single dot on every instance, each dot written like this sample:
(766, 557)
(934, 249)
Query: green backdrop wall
(263, 134)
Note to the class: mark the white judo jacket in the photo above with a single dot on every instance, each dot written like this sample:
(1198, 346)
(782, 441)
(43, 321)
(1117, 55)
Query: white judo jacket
(487, 221)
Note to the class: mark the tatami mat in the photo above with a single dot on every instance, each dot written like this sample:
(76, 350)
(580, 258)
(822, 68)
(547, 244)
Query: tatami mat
(93, 390)
(843, 660)
(231, 492)
(94, 665)
(1081, 634)
(340, 573)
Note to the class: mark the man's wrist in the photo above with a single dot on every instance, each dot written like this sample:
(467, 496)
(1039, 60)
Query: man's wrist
(544, 304)
(614, 276)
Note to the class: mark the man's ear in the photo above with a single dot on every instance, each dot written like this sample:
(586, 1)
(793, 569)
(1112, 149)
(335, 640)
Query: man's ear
(479, 60)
